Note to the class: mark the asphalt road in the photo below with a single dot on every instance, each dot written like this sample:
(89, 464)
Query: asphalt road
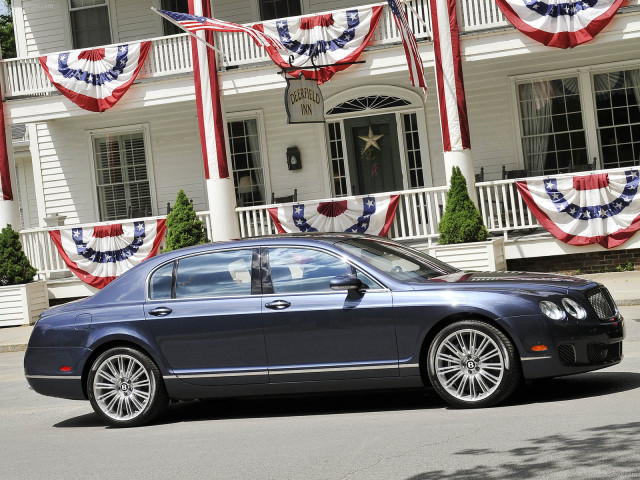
(583, 426)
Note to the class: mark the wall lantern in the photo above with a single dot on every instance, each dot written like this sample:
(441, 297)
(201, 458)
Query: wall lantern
(294, 161)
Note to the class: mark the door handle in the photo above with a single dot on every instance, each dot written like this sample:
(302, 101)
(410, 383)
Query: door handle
(160, 311)
(278, 305)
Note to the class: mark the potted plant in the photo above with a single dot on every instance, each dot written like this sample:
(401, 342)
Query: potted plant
(183, 227)
(463, 237)
(22, 298)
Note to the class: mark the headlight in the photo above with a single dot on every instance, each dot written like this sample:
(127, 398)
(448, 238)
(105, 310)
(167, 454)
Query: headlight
(574, 309)
(551, 310)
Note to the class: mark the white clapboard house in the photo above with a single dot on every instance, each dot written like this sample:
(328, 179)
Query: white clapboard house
(592, 123)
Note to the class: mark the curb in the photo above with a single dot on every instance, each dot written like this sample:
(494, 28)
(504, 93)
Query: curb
(15, 347)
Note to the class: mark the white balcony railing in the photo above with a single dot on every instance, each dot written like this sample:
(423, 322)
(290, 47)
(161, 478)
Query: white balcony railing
(172, 55)
(44, 256)
(168, 56)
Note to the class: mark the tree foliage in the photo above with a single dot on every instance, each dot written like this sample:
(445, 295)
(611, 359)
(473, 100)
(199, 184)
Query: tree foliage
(7, 38)
(15, 267)
(183, 227)
(461, 221)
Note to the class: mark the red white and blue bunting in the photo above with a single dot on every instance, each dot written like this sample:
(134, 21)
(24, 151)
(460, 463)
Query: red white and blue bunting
(560, 23)
(372, 215)
(96, 79)
(599, 208)
(97, 255)
(337, 37)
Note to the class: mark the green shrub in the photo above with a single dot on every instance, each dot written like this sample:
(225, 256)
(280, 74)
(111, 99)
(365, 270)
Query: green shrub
(461, 221)
(15, 267)
(625, 267)
(183, 227)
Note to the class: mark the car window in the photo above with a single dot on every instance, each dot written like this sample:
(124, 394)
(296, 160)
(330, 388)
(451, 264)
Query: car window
(217, 274)
(160, 284)
(300, 270)
(399, 262)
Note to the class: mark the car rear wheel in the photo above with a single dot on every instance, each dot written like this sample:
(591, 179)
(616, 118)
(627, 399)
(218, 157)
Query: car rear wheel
(472, 364)
(125, 388)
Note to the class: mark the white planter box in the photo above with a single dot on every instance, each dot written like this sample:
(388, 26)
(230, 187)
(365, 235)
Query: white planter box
(21, 304)
(478, 256)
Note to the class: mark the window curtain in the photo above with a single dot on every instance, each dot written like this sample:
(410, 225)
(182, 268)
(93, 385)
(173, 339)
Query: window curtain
(256, 161)
(536, 107)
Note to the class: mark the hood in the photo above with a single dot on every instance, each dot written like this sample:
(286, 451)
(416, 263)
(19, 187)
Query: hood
(515, 280)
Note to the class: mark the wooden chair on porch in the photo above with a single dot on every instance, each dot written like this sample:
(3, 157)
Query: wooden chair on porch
(285, 198)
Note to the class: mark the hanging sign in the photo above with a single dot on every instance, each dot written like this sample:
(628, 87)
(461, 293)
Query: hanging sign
(303, 101)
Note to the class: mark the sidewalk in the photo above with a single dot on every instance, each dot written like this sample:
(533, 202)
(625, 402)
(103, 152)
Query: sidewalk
(624, 287)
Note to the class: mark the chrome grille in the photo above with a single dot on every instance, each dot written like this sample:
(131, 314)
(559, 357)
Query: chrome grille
(602, 303)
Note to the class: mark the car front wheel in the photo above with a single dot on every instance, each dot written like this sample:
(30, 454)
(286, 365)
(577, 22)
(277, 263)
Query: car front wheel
(125, 388)
(472, 364)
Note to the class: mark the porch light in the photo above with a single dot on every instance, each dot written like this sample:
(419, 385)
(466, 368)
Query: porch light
(294, 161)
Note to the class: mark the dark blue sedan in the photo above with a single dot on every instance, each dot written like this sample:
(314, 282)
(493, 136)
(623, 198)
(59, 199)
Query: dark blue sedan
(309, 313)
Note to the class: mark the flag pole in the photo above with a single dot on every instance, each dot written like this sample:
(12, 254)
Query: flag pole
(417, 15)
(190, 33)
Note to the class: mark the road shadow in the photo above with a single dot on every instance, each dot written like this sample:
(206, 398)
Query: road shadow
(587, 385)
(609, 451)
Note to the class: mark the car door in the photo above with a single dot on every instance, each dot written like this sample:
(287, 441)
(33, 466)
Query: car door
(204, 312)
(315, 333)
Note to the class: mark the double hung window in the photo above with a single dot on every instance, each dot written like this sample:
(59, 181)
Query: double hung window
(90, 23)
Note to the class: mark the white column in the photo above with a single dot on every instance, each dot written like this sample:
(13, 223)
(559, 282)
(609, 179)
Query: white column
(220, 191)
(9, 209)
(464, 160)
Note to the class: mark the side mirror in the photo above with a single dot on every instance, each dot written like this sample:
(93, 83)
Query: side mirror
(350, 283)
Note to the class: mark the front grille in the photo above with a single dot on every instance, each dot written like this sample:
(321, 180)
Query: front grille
(567, 354)
(601, 353)
(602, 303)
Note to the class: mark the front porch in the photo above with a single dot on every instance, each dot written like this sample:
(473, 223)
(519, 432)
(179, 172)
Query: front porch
(419, 211)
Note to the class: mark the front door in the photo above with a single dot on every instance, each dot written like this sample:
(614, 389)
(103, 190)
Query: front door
(314, 333)
(374, 155)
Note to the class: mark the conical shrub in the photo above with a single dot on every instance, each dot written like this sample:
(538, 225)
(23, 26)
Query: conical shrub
(461, 221)
(15, 267)
(183, 227)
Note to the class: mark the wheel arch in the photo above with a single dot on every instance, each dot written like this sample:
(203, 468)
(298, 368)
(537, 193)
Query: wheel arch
(445, 322)
(115, 342)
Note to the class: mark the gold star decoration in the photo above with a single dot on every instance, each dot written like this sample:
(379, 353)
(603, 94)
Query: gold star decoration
(370, 140)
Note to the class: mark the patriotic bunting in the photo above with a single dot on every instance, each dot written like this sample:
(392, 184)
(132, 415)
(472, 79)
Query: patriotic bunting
(97, 255)
(372, 215)
(600, 208)
(96, 79)
(560, 23)
(338, 37)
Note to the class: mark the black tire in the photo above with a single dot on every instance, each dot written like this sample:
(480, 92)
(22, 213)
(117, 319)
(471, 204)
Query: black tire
(476, 377)
(125, 388)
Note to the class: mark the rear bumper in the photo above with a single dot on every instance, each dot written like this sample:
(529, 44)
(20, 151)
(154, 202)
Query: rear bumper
(42, 371)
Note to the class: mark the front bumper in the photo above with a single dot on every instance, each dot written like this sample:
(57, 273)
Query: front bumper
(571, 347)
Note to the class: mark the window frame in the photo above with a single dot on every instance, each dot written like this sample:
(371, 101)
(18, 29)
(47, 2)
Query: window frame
(304, 7)
(257, 115)
(175, 261)
(125, 129)
(266, 248)
(113, 24)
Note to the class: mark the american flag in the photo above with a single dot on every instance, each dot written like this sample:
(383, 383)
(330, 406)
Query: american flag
(194, 23)
(416, 70)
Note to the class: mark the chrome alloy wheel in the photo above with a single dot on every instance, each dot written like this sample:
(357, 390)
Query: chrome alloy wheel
(469, 365)
(123, 387)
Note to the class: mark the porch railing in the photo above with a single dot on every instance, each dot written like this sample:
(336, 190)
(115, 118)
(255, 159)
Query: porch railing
(419, 212)
(168, 56)
(44, 256)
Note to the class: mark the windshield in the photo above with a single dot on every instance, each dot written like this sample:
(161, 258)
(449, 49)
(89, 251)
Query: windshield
(400, 262)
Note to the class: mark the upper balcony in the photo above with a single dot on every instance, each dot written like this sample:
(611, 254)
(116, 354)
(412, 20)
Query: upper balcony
(171, 55)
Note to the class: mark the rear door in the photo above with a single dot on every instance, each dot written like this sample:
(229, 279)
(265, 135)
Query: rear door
(314, 333)
(205, 314)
